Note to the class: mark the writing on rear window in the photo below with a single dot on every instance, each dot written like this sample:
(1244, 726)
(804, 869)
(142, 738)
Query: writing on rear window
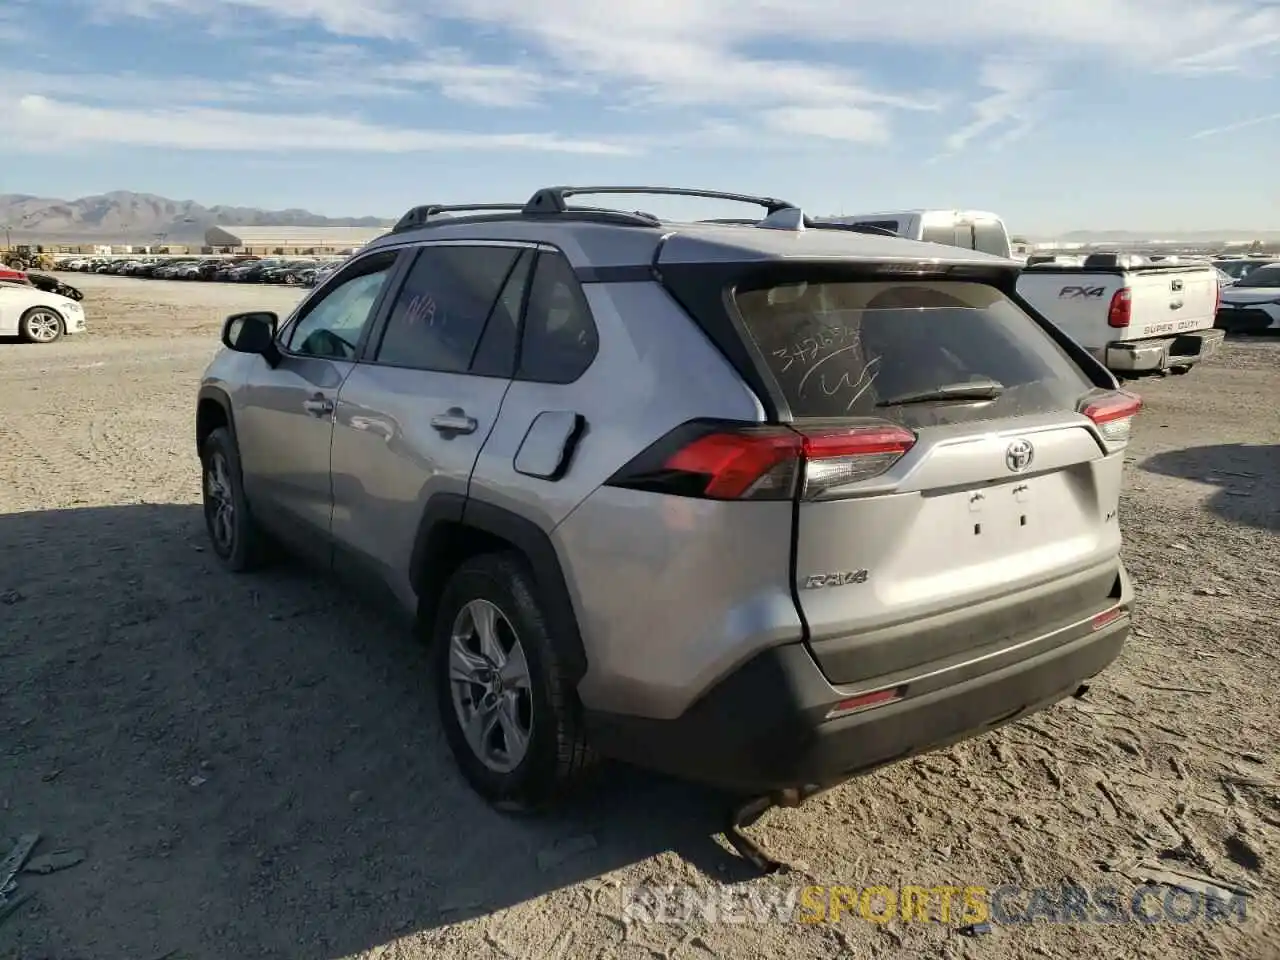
(808, 349)
(858, 348)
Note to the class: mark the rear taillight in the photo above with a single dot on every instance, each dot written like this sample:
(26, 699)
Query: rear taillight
(1121, 310)
(720, 461)
(1113, 414)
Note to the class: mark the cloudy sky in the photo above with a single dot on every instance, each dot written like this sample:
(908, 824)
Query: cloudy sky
(1058, 114)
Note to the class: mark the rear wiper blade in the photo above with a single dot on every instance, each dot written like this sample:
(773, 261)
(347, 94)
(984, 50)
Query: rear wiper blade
(971, 390)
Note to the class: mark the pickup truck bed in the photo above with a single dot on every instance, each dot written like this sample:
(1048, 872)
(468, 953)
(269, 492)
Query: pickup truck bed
(1135, 318)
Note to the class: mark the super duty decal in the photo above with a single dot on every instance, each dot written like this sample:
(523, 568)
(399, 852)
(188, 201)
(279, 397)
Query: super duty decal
(1173, 326)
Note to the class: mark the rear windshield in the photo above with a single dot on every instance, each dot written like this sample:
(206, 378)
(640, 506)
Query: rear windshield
(858, 348)
(1262, 277)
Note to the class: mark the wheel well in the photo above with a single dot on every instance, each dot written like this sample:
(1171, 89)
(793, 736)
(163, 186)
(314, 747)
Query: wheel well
(449, 545)
(210, 415)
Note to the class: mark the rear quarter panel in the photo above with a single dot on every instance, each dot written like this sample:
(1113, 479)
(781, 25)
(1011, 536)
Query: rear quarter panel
(670, 593)
(1076, 302)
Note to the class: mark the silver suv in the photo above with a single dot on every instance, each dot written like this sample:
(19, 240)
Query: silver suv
(764, 503)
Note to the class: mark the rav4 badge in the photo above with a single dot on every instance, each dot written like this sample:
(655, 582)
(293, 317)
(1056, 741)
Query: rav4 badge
(844, 577)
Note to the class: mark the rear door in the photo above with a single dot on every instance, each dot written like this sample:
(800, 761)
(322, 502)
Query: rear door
(1170, 302)
(970, 521)
(412, 417)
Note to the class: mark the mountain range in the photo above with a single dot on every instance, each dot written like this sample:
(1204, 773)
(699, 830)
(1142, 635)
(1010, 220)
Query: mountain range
(125, 217)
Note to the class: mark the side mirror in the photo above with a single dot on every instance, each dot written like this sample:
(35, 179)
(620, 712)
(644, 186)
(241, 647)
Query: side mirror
(252, 333)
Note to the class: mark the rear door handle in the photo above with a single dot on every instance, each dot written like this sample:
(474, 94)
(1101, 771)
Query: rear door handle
(318, 406)
(454, 420)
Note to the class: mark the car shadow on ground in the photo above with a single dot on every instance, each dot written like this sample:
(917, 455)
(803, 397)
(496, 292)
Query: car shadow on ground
(253, 763)
(1247, 477)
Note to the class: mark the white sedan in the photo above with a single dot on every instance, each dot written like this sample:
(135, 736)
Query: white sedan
(36, 316)
(1252, 304)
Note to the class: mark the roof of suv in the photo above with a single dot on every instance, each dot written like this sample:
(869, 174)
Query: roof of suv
(598, 237)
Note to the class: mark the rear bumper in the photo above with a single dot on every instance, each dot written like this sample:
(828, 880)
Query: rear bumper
(764, 727)
(1162, 353)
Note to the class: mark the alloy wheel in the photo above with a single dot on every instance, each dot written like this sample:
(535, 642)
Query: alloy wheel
(489, 681)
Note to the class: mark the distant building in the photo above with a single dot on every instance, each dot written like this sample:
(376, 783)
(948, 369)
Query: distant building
(289, 240)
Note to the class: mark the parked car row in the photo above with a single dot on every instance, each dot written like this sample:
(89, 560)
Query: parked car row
(305, 272)
(1237, 268)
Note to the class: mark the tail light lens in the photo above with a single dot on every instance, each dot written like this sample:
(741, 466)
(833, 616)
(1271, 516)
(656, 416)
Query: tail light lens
(1113, 414)
(719, 461)
(1121, 310)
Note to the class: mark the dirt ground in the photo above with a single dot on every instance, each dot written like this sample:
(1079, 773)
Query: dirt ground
(252, 767)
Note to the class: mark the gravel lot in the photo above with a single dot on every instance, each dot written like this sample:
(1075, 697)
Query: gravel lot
(253, 768)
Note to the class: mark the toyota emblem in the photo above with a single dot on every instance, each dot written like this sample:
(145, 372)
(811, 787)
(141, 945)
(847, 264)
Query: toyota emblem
(1019, 455)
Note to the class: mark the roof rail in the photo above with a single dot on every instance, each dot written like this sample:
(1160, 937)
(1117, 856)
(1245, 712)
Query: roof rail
(811, 224)
(418, 216)
(552, 199)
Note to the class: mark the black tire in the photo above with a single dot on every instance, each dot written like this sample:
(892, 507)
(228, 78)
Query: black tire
(557, 755)
(237, 540)
(41, 325)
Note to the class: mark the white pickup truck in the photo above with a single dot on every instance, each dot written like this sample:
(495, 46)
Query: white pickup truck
(971, 229)
(1135, 316)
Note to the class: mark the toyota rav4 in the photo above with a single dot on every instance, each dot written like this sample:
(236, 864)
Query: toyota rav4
(765, 503)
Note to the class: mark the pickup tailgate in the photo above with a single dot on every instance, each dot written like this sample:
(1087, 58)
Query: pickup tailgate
(1098, 306)
(1168, 302)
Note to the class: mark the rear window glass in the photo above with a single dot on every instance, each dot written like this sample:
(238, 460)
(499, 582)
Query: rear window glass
(1263, 277)
(989, 237)
(859, 349)
(947, 234)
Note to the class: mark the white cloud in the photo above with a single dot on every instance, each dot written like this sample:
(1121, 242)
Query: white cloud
(1238, 125)
(39, 122)
(1005, 113)
(390, 19)
(851, 124)
(457, 77)
(739, 57)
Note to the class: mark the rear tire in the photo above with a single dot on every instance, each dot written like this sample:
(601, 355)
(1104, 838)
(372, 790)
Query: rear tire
(237, 540)
(527, 747)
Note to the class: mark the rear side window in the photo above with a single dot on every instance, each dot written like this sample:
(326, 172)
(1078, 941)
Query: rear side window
(949, 234)
(560, 338)
(989, 237)
(440, 311)
(496, 354)
(863, 349)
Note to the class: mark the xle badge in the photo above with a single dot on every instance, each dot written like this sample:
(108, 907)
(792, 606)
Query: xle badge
(816, 581)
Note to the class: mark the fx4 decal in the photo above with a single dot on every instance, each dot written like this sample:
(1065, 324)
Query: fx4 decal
(1079, 293)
